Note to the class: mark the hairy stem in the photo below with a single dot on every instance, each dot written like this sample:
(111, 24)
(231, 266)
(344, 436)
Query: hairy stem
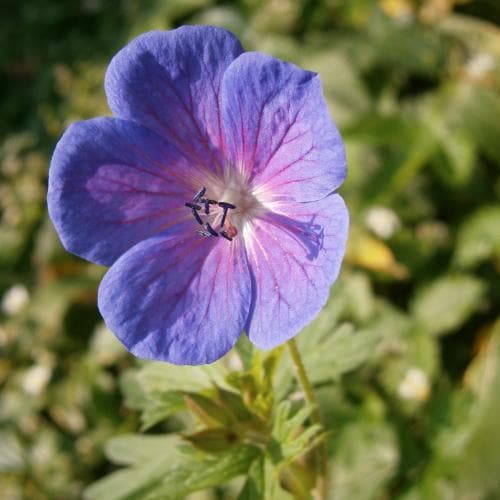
(321, 450)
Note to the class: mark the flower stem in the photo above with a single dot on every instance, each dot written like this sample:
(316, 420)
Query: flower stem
(321, 450)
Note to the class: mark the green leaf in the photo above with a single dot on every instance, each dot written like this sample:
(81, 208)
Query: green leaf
(343, 87)
(343, 350)
(366, 458)
(291, 438)
(410, 47)
(160, 406)
(132, 483)
(254, 486)
(160, 377)
(169, 473)
(480, 462)
(134, 449)
(193, 475)
(157, 388)
(445, 304)
(456, 164)
(479, 237)
(11, 452)
(480, 108)
(360, 298)
(465, 459)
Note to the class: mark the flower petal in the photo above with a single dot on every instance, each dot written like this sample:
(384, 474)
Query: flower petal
(294, 259)
(170, 82)
(113, 183)
(178, 297)
(278, 131)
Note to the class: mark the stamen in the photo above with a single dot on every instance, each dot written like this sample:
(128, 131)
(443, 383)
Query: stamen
(200, 194)
(211, 230)
(225, 204)
(204, 233)
(224, 235)
(200, 203)
(223, 218)
(196, 216)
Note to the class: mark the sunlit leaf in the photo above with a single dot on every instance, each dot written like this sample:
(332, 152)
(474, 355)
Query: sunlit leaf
(446, 303)
(135, 449)
(479, 237)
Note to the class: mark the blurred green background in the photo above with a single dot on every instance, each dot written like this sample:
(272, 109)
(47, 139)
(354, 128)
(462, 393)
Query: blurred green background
(406, 354)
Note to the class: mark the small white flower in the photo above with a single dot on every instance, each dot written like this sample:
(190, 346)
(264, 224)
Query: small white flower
(14, 299)
(479, 65)
(382, 221)
(414, 386)
(36, 379)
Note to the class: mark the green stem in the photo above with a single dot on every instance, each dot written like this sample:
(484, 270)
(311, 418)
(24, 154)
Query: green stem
(321, 450)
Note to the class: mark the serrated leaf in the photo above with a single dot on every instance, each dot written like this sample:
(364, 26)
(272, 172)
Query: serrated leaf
(330, 350)
(446, 303)
(479, 237)
(193, 475)
(172, 474)
(157, 388)
(291, 437)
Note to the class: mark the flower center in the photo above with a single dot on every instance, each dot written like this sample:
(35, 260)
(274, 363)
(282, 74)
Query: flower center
(214, 222)
(224, 211)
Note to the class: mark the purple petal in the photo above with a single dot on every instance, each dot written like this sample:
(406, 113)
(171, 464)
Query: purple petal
(278, 131)
(178, 297)
(113, 183)
(294, 259)
(170, 82)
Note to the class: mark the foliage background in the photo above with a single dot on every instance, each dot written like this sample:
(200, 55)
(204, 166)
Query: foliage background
(406, 354)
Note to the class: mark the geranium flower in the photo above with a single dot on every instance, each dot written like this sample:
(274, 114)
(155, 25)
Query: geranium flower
(210, 193)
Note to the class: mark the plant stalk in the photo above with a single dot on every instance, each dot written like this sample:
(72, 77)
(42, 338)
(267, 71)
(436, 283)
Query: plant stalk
(321, 450)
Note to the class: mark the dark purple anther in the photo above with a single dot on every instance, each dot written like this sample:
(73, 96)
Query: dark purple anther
(200, 194)
(207, 207)
(224, 235)
(225, 204)
(211, 230)
(194, 206)
(223, 218)
(196, 216)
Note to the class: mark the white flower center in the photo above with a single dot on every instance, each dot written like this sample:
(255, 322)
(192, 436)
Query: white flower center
(226, 206)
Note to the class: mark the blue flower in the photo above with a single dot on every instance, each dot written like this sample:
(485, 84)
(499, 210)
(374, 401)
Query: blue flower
(210, 193)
